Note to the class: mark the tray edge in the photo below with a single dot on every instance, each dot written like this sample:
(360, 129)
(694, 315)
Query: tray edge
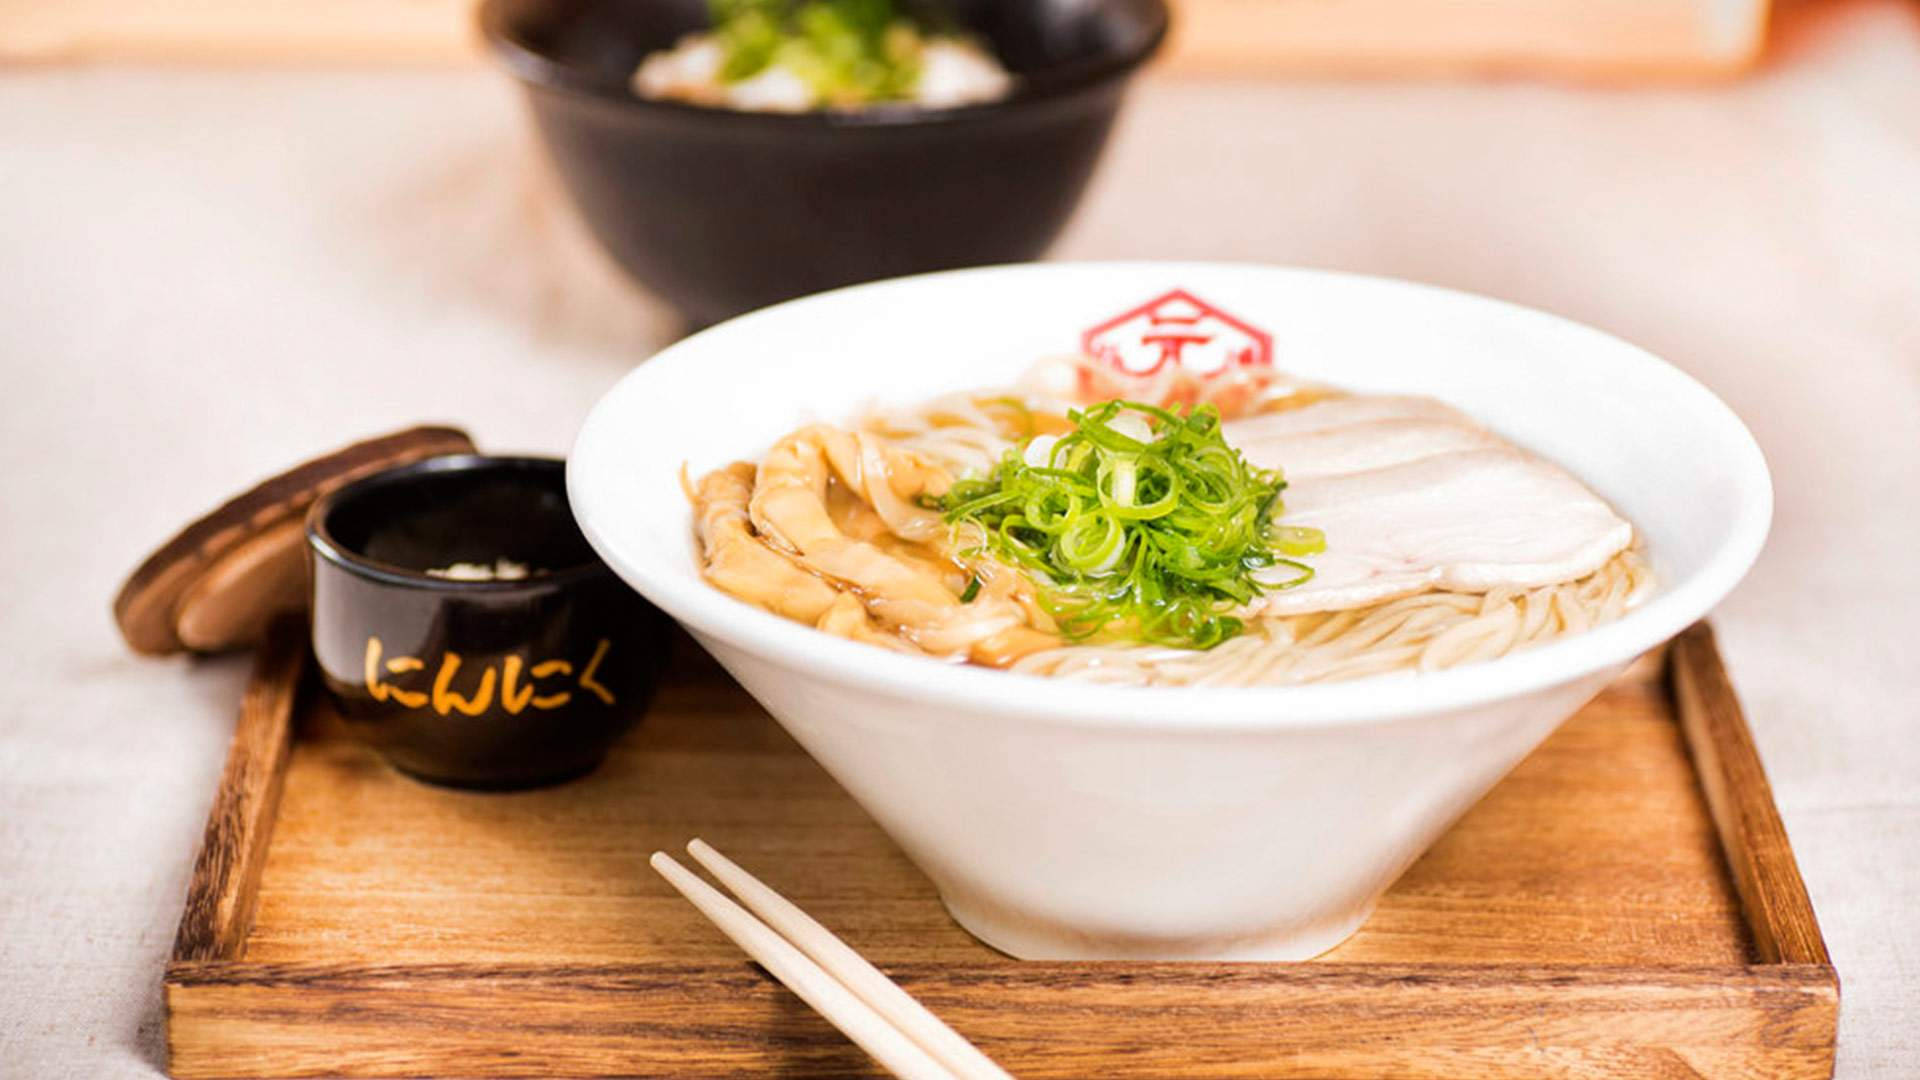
(209, 946)
(1773, 895)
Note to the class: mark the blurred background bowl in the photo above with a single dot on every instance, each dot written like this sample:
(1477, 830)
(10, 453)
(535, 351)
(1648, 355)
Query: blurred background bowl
(719, 211)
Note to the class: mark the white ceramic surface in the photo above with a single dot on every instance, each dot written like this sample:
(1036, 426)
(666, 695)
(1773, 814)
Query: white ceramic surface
(1061, 820)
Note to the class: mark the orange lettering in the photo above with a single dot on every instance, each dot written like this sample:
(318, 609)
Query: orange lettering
(374, 686)
(547, 669)
(445, 700)
(381, 691)
(513, 696)
(587, 681)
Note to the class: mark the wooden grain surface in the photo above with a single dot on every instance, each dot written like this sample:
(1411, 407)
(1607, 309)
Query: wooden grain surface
(225, 885)
(1597, 849)
(1580, 921)
(1779, 914)
(1039, 1020)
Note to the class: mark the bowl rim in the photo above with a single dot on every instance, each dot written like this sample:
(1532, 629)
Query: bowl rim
(535, 68)
(707, 611)
(328, 548)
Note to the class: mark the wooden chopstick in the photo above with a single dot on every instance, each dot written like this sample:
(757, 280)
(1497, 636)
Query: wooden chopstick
(855, 1018)
(840, 961)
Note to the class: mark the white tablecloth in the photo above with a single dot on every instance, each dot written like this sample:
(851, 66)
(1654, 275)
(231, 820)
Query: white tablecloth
(207, 275)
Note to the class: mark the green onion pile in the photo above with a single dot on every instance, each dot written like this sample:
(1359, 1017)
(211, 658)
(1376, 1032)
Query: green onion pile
(849, 52)
(1152, 539)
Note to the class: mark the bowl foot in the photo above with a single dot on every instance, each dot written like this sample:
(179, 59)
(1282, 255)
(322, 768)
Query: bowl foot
(1027, 938)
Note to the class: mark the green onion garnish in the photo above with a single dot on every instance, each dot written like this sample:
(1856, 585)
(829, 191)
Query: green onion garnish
(1154, 538)
(848, 52)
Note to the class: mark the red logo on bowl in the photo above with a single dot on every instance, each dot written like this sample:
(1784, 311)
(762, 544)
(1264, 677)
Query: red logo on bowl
(1178, 331)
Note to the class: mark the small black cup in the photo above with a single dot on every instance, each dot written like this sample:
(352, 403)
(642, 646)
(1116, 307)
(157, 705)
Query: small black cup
(494, 684)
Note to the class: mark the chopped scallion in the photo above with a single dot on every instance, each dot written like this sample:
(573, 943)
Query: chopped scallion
(1155, 538)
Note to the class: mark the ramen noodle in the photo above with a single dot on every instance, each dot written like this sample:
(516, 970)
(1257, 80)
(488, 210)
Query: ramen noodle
(1301, 535)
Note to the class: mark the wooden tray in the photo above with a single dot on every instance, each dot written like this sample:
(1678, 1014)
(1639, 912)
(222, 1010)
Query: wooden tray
(1625, 903)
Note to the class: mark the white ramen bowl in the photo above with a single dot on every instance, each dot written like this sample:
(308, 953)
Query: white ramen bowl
(1062, 820)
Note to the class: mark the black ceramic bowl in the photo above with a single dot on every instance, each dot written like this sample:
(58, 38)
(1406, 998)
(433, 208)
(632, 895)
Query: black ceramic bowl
(721, 211)
(486, 684)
